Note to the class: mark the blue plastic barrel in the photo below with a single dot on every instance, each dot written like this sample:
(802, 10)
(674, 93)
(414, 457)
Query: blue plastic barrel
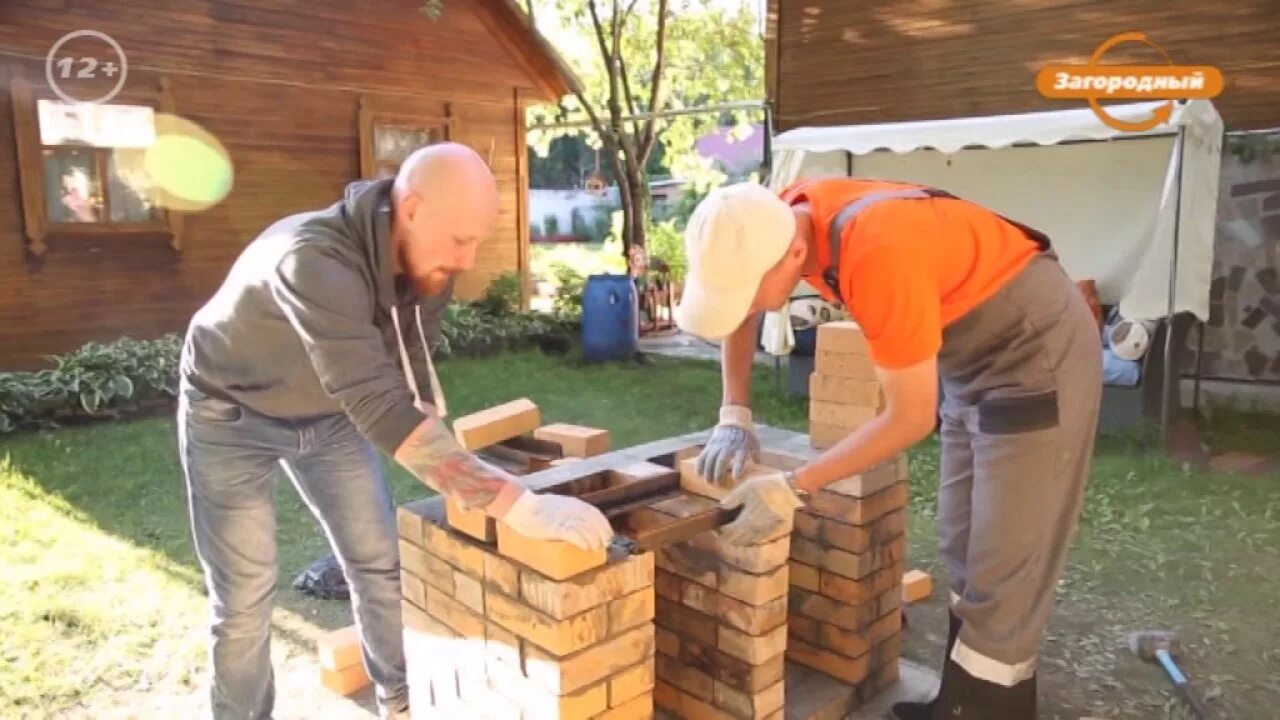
(610, 318)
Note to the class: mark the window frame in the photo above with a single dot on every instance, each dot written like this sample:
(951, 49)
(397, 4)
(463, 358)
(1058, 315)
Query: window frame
(371, 118)
(39, 228)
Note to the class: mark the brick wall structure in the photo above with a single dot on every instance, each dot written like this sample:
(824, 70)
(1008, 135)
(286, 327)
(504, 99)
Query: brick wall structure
(805, 626)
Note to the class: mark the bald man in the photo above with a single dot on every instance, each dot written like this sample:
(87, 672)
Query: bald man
(312, 357)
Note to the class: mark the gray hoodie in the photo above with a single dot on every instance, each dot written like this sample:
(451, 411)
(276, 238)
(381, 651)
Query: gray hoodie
(303, 326)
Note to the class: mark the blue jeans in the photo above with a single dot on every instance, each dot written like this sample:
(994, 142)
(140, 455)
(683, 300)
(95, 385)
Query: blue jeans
(231, 458)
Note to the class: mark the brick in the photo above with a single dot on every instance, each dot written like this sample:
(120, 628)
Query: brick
(436, 573)
(845, 365)
(473, 522)
(502, 575)
(691, 562)
(850, 643)
(745, 676)
(492, 706)
(870, 482)
(683, 506)
(668, 585)
(469, 591)
(850, 416)
(469, 657)
(846, 391)
(561, 675)
(556, 559)
(822, 436)
(888, 651)
(761, 558)
(804, 576)
(850, 670)
(667, 642)
(563, 598)
(859, 511)
(409, 525)
(749, 705)
(808, 526)
(916, 586)
(413, 589)
(575, 440)
(688, 624)
(637, 708)
(502, 645)
(858, 592)
(348, 680)
(338, 649)
(457, 550)
(842, 336)
(884, 628)
(564, 461)
(413, 558)
(538, 702)
(428, 646)
(493, 425)
(752, 648)
(636, 472)
(850, 565)
(684, 705)
(691, 680)
(806, 628)
(558, 637)
(879, 681)
(819, 607)
(751, 619)
(631, 610)
(751, 588)
(890, 600)
(806, 552)
(694, 483)
(454, 614)
(861, 538)
(631, 683)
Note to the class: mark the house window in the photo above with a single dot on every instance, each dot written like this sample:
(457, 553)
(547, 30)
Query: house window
(93, 164)
(387, 138)
(83, 167)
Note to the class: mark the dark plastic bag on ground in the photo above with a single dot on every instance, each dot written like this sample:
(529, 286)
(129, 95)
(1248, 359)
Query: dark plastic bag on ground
(324, 580)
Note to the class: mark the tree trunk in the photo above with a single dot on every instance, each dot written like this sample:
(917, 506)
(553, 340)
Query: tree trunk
(639, 220)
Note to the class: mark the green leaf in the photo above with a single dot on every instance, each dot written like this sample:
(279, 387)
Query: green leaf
(121, 387)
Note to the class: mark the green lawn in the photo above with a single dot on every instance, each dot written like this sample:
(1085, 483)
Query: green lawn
(103, 603)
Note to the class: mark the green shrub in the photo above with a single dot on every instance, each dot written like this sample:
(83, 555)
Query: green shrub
(502, 297)
(570, 283)
(551, 224)
(665, 242)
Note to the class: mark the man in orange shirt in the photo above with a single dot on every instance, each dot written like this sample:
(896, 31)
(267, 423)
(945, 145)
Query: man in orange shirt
(941, 288)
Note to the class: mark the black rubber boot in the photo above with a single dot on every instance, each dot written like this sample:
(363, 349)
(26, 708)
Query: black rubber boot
(965, 697)
(924, 711)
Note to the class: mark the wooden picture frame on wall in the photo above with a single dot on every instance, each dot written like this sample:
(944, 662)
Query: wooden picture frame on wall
(387, 138)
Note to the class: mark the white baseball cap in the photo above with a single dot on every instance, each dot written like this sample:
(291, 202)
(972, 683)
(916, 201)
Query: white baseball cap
(734, 236)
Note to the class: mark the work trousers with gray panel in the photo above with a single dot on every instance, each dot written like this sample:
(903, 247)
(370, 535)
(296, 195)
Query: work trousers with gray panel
(1022, 383)
(232, 458)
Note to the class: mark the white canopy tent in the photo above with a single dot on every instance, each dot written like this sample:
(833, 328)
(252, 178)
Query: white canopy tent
(1114, 211)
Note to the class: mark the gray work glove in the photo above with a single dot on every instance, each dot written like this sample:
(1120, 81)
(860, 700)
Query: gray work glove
(768, 509)
(733, 442)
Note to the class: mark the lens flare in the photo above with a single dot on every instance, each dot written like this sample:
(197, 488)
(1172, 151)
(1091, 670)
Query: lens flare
(190, 170)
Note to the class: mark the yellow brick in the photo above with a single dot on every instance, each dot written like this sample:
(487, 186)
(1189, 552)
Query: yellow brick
(755, 649)
(575, 440)
(468, 591)
(636, 472)
(850, 670)
(848, 391)
(685, 676)
(694, 483)
(804, 576)
(744, 705)
(822, 436)
(503, 645)
(842, 337)
(845, 365)
(556, 559)
(338, 649)
(454, 549)
(916, 585)
(563, 598)
(631, 610)
(753, 589)
(493, 425)
(412, 589)
(409, 525)
(561, 675)
(559, 637)
(537, 702)
(345, 681)
(849, 416)
(454, 614)
(473, 522)
(637, 708)
(631, 683)
(668, 643)
(758, 559)
(502, 575)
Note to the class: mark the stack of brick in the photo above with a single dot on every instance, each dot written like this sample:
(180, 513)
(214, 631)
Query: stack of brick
(844, 393)
(341, 663)
(847, 554)
(518, 628)
(721, 617)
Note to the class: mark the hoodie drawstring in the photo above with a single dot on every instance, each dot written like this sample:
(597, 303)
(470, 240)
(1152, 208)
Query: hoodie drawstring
(437, 392)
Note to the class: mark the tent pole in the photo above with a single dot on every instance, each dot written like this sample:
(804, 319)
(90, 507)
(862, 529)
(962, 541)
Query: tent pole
(1171, 397)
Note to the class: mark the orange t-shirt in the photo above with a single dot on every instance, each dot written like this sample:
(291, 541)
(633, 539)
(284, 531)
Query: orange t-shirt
(908, 268)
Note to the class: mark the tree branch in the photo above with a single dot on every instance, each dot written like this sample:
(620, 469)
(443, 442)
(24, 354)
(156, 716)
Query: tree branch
(655, 88)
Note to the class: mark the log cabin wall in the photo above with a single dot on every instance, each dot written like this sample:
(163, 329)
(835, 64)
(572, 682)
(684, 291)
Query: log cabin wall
(836, 62)
(281, 91)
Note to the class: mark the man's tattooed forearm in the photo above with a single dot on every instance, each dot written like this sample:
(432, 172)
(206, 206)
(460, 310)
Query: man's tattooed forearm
(435, 457)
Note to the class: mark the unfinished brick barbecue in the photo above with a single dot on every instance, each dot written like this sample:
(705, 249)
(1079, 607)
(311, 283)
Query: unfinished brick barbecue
(805, 626)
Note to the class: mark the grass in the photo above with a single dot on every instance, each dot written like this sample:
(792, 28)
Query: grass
(103, 599)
